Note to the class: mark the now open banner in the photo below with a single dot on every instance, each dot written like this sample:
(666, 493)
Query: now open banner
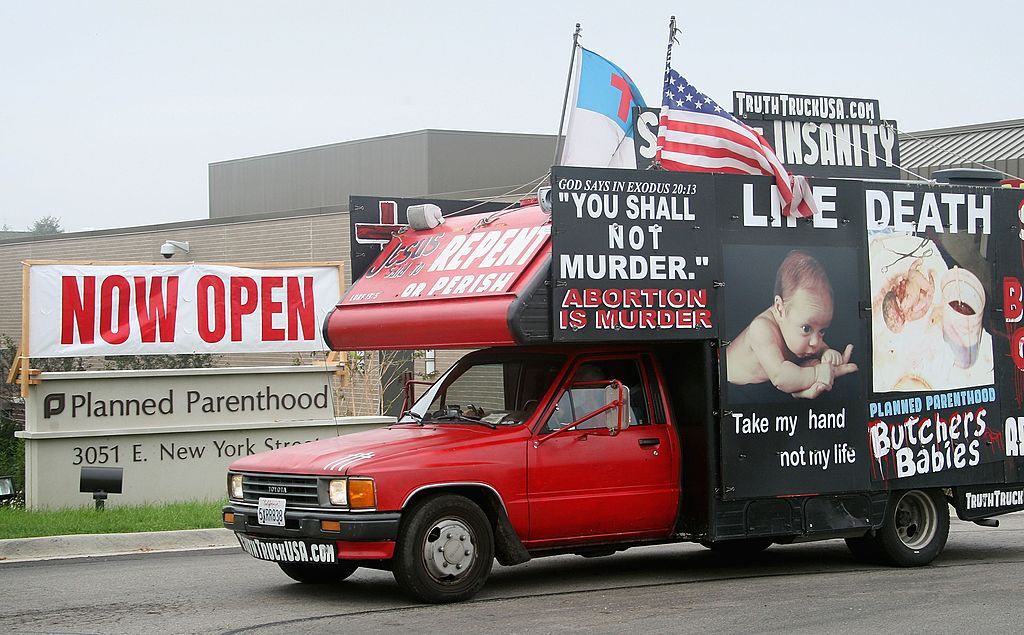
(140, 309)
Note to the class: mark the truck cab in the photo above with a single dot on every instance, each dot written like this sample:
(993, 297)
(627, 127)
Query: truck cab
(514, 452)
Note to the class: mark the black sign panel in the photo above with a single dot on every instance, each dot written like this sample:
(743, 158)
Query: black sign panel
(645, 135)
(917, 369)
(935, 412)
(757, 105)
(1007, 324)
(866, 151)
(817, 135)
(795, 361)
(878, 345)
(373, 220)
(852, 142)
(633, 258)
(984, 501)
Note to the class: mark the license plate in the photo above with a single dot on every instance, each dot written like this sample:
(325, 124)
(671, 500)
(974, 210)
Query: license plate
(271, 511)
(288, 550)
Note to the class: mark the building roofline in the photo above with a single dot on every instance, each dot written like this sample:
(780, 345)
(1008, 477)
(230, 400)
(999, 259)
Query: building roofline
(977, 127)
(186, 224)
(352, 142)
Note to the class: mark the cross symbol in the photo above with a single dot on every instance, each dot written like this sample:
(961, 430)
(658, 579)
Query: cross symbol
(380, 233)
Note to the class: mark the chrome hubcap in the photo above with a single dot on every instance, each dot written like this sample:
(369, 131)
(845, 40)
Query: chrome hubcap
(449, 550)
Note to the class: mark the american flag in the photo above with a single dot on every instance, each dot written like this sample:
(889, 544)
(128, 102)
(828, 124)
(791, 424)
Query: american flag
(698, 135)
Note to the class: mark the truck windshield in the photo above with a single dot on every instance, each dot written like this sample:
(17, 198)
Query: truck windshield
(489, 390)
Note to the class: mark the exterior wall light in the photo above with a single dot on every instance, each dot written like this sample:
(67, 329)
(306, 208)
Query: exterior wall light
(6, 488)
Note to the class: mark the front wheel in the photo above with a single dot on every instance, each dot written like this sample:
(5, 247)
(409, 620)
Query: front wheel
(317, 573)
(445, 549)
(915, 530)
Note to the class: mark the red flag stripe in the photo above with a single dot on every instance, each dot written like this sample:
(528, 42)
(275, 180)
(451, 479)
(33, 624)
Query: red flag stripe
(710, 151)
(712, 134)
(717, 147)
(704, 163)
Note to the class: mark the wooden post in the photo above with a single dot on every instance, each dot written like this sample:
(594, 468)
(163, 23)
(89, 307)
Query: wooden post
(23, 357)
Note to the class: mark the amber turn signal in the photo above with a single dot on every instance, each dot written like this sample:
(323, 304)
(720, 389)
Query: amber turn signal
(229, 518)
(330, 525)
(361, 493)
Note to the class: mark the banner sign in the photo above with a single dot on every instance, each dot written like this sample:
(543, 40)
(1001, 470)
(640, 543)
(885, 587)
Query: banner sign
(632, 259)
(140, 309)
(459, 258)
(374, 220)
(812, 135)
(823, 136)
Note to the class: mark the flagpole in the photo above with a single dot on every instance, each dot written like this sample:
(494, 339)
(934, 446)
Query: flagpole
(565, 98)
(672, 31)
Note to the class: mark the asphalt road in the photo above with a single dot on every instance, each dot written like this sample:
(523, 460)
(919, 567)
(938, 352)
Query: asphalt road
(973, 587)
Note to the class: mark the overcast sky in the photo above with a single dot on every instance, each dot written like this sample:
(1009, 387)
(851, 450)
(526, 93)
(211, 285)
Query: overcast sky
(111, 111)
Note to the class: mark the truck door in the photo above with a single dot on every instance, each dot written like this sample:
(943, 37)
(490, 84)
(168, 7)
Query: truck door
(589, 483)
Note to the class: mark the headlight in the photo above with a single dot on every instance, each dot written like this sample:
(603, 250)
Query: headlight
(235, 486)
(355, 493)
(338, 492)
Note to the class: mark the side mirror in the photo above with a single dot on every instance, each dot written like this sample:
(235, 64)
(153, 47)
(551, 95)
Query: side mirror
(409, 391)
(614, 413)
(616, 395)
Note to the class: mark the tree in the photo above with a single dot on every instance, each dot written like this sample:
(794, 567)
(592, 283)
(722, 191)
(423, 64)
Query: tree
(47, 225)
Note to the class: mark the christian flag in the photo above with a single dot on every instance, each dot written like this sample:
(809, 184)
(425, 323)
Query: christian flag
(600, 130)
(697, 135)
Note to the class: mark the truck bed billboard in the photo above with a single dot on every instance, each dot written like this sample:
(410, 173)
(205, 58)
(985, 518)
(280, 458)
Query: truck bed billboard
(875, 345)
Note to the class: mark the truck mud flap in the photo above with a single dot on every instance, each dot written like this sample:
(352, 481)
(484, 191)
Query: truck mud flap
(984, 501)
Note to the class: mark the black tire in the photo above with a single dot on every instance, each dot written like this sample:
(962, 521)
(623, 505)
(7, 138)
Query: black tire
(317, 573)
(915, 530)
(445, 549)
(740, 547)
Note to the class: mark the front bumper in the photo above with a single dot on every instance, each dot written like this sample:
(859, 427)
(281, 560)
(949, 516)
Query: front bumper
(305, 524)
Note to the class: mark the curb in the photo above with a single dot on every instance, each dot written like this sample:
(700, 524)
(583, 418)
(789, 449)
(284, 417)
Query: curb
(87, 545)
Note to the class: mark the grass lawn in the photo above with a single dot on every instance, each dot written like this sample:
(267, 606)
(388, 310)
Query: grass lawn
(22, 523)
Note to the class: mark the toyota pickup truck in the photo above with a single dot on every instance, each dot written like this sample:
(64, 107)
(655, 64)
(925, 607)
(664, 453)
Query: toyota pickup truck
(664, 357)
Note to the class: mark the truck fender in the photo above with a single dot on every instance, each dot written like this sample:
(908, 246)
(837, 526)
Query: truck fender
(508, 548)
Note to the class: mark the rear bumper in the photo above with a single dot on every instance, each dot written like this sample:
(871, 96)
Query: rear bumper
(305, 524)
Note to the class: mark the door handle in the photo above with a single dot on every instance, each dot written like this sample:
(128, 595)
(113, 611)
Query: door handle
(645, 442)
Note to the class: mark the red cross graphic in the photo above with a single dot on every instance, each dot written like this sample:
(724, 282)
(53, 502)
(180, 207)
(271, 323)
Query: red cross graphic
(380, 233)
(625, 98)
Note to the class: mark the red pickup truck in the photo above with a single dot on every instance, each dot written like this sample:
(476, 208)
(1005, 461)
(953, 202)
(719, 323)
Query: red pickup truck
(600, 411)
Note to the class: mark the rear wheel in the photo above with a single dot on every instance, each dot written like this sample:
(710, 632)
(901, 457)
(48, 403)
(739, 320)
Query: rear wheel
(914, 532)
(445, 549)
(915, 529)
(317, 573)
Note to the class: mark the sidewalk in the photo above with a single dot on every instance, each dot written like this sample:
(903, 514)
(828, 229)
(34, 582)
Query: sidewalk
(86, 545)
